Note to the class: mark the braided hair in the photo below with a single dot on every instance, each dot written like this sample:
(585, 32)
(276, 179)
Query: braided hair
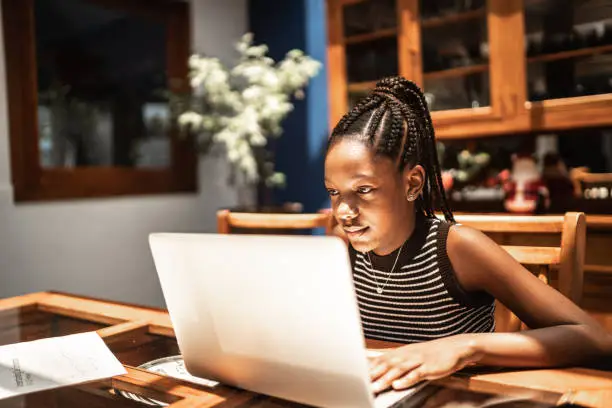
(394, 120)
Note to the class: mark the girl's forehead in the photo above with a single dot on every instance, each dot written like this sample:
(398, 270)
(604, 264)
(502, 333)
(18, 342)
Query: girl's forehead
(352, 158)
(350, 150)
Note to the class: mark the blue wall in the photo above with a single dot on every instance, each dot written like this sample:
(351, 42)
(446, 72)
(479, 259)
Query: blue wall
(284, 25)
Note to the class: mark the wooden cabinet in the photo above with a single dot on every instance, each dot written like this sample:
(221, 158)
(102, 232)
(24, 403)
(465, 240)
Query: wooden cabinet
(487, 67)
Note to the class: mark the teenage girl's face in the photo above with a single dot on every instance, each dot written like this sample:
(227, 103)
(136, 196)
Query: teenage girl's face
(368, 197)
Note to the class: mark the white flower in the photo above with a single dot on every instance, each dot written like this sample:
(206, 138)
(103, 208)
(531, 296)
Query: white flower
(190, 118)
(233, 155)
(208, 122)
(249, 166)
(270, 80)
(252, 94)
(244, 106)
(258, 139)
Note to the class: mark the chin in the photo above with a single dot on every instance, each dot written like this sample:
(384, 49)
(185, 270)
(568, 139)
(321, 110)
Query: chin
(362, 245)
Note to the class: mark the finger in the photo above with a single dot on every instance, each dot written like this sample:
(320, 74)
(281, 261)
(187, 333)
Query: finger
(378, 369)
(385, 380)
(382, 366)
(408, 380)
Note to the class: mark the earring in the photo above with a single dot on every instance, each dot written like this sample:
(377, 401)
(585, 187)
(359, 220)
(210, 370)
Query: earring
(410, 197)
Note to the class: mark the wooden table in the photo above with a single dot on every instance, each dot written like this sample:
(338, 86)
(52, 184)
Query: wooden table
(138, 334)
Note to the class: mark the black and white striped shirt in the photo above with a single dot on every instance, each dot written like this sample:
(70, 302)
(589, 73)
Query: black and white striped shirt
(421, 300)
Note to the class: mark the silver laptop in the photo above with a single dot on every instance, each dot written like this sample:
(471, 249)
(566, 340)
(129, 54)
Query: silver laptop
(276, 315)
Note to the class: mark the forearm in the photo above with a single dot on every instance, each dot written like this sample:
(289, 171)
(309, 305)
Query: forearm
(551, 346)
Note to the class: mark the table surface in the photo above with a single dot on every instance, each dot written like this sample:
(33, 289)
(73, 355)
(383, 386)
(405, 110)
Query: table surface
(137, 335)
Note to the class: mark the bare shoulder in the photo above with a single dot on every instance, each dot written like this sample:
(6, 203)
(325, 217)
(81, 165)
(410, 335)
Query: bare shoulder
(480, 263)
(462, 238)
(477, 260)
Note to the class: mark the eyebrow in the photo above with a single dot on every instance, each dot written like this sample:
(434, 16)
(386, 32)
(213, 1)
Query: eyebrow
(356, 177)
(362, 175)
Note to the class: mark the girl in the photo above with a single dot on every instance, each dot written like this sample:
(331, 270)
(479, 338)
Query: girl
(427, 283)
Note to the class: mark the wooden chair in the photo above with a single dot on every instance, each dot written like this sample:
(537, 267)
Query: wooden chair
(226, 220)
(567, 257)
(565, 254)
(582, 179)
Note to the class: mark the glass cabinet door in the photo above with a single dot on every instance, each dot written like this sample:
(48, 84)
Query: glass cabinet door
(568, 47)
(454, 53)
(370, 39)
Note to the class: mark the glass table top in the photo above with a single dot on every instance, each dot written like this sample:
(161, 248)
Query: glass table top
(160, 354)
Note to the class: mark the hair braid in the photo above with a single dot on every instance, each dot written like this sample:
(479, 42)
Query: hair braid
(375, 122)
(430, 152)
(364, 105)
(397, 130)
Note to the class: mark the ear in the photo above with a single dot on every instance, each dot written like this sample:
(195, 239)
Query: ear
(414, 180)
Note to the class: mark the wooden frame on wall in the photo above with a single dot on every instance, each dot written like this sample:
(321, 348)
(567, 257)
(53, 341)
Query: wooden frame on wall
(31, 182)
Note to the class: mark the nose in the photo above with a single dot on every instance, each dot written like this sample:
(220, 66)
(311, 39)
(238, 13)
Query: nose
(346, 212)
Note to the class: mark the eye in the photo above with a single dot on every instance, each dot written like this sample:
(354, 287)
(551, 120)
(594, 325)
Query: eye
(332, 192)
(364, 190)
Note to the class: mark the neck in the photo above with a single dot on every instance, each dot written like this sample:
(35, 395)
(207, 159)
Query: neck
(403, 232)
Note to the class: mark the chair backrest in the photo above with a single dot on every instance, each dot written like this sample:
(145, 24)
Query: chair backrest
(226, 220)
(567, 256)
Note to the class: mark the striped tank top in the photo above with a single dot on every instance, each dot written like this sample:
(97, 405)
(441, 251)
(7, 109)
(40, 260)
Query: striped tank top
(421, 300)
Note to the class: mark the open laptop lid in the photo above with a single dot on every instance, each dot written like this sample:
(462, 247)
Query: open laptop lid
(273, 314)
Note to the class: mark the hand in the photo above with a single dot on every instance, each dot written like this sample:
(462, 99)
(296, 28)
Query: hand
(408, 365)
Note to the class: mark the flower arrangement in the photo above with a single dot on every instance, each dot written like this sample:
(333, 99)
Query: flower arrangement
(242, 108)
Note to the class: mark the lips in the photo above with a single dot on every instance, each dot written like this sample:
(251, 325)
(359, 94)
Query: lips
(354, 231)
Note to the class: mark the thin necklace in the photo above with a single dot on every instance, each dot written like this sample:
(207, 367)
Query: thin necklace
(379, 289)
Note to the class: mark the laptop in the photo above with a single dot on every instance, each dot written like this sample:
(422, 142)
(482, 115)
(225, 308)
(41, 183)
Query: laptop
(276, 315)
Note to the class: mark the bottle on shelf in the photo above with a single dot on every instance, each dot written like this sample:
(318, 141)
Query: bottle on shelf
(538, 90)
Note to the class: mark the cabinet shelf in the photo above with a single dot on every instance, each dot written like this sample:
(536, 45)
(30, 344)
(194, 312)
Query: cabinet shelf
(361, 86)
(453, 18)
(376, 35)
(445, 73)
(582, 52)
(456, 72)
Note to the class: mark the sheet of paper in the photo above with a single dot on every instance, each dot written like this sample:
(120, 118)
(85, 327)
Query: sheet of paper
(55, 362)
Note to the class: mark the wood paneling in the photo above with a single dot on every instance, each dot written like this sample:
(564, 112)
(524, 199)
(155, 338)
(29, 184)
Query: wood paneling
(454, 18)
(456, 72)
(507, 72)
(570, 113)
(336, 72)
(409, 41)
(354, 39)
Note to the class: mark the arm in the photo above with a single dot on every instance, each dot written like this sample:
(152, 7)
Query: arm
(561, 334)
